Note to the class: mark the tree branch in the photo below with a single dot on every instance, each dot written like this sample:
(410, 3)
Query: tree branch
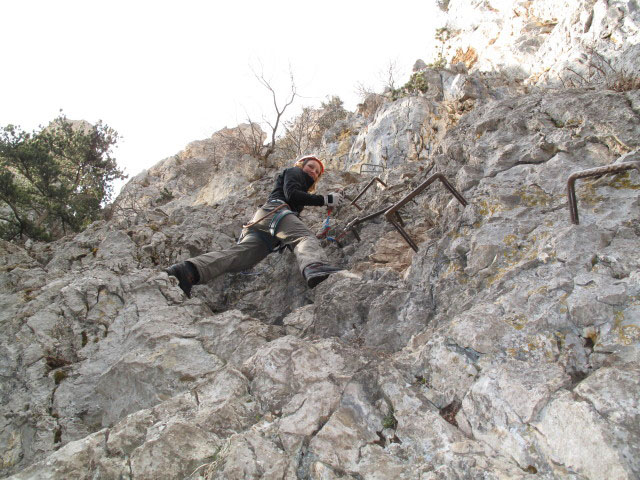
(279, 111)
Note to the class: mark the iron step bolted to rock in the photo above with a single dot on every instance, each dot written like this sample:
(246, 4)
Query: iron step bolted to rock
(326, 225)
(371, 168)
(350, 227)
(373, 180)
(391, 213)
(592, 172)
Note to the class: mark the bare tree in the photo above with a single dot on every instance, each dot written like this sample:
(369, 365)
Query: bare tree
(363, 90)
(249, 137)
(279, 110)
(599, 72)
(245, 138)
(389, 75)
(304, 133)
(331, 110)
(128, 206)
(300, 133)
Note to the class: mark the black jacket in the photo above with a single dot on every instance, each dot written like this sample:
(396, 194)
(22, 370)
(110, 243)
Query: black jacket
(291, 187)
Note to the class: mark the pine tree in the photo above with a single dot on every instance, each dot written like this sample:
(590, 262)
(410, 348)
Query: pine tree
(55, 180)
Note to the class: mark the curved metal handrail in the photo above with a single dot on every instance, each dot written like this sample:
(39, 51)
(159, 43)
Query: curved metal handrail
(592, 172)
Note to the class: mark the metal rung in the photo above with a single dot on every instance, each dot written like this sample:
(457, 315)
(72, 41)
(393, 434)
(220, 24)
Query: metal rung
(374, 165)
(351, 226)
(390, 213)
(375, 179)
(592, 172)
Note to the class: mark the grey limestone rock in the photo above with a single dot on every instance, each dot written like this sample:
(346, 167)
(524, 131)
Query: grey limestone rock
(506, 346)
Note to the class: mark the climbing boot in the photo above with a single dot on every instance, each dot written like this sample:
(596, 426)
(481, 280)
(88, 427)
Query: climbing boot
(187, 275)
(315, 273)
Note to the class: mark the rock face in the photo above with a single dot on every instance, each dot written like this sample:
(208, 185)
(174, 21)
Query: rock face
(573, 41)
(507, 346)
(411, 128)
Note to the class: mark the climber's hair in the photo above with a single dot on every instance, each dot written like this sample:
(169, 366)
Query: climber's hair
(301, 162)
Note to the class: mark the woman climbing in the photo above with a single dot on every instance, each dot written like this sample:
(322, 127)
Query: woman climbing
(275, 224)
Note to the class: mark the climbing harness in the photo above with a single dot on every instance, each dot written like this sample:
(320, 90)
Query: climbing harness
(279, 209)
(272, 246)
(280, 205)
(273, 225)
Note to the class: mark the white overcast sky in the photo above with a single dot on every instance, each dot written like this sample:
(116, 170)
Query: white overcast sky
(166, 73)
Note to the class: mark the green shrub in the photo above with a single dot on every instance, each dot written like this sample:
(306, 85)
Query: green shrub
(389, 421)
(55, 180)
(416, 85)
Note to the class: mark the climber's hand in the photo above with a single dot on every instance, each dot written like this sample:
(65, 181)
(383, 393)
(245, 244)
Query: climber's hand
(333, 199)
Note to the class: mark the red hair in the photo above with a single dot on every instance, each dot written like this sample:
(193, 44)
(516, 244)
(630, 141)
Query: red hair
(301, 162)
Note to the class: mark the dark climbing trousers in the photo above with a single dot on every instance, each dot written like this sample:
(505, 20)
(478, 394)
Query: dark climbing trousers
(257, 242)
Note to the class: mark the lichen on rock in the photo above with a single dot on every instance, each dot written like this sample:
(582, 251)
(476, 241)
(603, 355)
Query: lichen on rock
(507, 345)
